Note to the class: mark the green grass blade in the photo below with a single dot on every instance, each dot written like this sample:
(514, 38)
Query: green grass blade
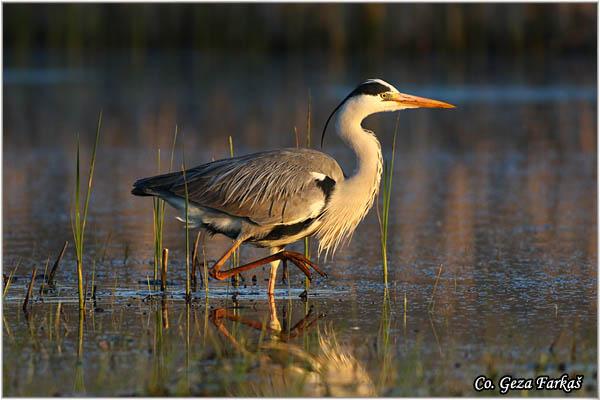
(78, 227)
(388, 172)
(92, 166)
(77, 214)
(162, 217)
(306, 243)
(234, 259)
(173, 147)
(187, 237)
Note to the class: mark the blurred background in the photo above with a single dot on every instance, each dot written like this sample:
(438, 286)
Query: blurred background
(501, 190)
(152, 65)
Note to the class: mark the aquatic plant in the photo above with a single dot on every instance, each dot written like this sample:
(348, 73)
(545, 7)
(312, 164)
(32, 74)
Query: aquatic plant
(78, 227)
(30, 288)
(159, 212)
(235, 257)
(306, 243)
(195, 261)
(188, 294)
(431, 304)
(388, 170)
(205, 267)
(165, 260)
(50, 278)
(9, 279)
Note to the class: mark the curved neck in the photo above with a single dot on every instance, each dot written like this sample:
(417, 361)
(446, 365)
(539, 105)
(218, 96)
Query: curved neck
(365, 145)
(352, 197)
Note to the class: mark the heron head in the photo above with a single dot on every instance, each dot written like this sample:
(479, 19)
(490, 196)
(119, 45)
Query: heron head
(375, 95)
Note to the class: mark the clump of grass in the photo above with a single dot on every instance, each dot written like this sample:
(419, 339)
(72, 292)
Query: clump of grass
(159, 206)
(79, 226)
(388, 170)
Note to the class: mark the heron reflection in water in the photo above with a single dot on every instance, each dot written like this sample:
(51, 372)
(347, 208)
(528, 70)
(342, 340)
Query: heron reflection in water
(285, 368)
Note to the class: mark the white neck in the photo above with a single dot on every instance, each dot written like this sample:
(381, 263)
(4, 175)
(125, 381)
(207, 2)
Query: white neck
(352, 197)
(365, 145)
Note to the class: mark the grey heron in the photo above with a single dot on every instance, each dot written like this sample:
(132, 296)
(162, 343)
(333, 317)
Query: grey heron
(274, 198)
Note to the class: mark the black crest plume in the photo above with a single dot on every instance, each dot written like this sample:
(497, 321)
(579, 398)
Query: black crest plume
(369, 87)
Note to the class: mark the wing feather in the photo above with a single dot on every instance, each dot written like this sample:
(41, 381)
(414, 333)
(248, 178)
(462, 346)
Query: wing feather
(274, 187)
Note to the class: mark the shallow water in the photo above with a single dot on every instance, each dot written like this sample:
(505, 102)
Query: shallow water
(501, 192)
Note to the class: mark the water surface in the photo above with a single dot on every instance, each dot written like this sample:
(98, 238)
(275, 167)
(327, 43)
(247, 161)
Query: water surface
(500, 191)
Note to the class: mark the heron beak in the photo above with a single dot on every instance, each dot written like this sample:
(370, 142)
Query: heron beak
(411, 101)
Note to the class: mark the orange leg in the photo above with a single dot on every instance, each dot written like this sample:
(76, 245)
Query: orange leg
(273, 274)
(296, 258)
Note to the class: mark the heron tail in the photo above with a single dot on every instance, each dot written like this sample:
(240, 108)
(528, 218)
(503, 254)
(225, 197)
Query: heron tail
(154, 185)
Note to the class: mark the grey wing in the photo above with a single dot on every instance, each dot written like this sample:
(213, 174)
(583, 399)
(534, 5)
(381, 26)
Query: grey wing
(275, 187)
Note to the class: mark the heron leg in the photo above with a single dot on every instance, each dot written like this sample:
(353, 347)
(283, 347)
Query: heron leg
(214, 271)
(296, 258)
(274, 265)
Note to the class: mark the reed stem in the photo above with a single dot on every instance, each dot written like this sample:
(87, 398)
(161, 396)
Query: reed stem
(235, 262)
(388, 171)
(29, 289)
(306, 243)
(79, 229)
(195, 259)
(55, 266)
(165, 260)
(159, 207)
(432, 300)
(10, 276)
(205, 268)
(188, 294)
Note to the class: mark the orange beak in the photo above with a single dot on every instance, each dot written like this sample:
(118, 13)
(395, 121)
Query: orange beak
(408, 100)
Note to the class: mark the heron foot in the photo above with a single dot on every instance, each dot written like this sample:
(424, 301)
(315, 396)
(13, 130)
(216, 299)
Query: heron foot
(301, 262)
(296, 258)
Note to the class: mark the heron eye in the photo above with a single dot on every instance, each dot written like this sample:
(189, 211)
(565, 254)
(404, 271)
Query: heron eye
(383, 95)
